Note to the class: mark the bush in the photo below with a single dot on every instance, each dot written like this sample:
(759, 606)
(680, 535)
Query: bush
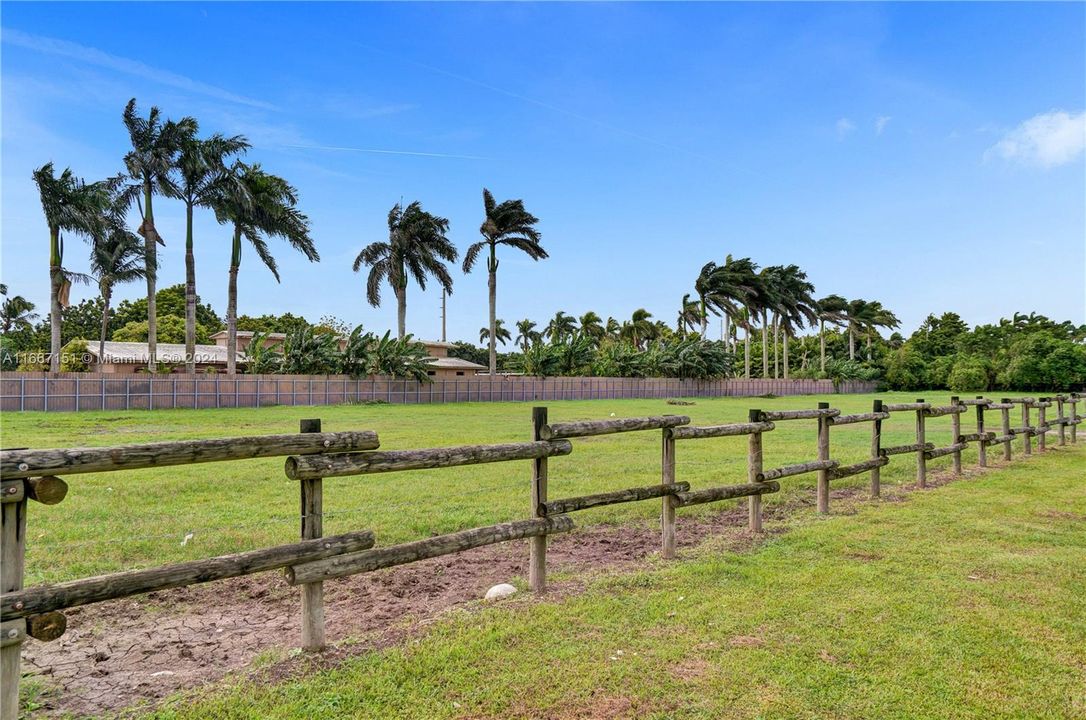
(968, 373)
(905, 370)
(170, 329)
(74, 356)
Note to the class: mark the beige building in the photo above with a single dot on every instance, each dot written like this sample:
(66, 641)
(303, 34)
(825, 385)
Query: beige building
(130, 357)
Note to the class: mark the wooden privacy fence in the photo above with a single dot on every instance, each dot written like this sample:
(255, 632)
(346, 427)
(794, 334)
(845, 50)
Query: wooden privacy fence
(65, 392)
(312, 455)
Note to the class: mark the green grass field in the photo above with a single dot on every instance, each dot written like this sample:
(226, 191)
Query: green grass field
(132, 519)
(967, 601)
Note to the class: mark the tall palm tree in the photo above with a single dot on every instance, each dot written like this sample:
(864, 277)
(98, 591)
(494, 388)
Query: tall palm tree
(560, 327)
(592, 327)
(203, 174)
(116, 257)
(705, 287)
(150, 164)
(506, 223)
(261, 205)
(73, 206)
(858, 316)
(16, 313)
(527, 335)
(797, 306)
(832, 309)
(417, 247)
(613, 328)
(689, 316)
(878, 317)
(769, 300)
(639, 328)
(734, 284)
(503, 335)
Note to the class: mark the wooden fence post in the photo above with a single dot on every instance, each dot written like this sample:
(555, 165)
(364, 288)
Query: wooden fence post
(921, 461)
(1062, 433)
(537, 555)
(1073, 402)
(982, 444)
(312, 507)
(823, 490)
(1025, 428)
(876, 447)
(956, 432)
(1006, 414)
(12, 556)
(1042, 443)
(754, 466)
(667, 509)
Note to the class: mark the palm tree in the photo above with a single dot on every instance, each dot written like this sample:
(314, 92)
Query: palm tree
(203, 175)
(832, 309)
(70, 205)
(507, 223)
(858, 316)
(150, 163)
(878, 317)
(689, 316)
(613, 328)
(503, 335)
(797, 306)
(16, 313)
(592, 327)
(116, 257)
(705, 287)
(261, 205)
(734, 284)
(768, 300)
(417, 247)
(560, 327)
(527, 335)
(639, 328)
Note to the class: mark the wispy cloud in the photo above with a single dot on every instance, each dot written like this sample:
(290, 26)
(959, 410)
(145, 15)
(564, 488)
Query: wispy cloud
(360, 109)
(93, 56)
(1046, 140)
(845, 127)
(881, 122)
(378, 151)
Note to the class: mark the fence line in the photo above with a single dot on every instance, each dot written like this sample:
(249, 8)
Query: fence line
(26, 475)
(67, 392)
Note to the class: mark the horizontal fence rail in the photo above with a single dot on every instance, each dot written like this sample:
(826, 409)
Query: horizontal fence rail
(67, 392)
(312, 455)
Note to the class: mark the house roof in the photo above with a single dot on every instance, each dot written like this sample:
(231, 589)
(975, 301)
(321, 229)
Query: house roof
(136, 353)
(248, 334)
(454, 363)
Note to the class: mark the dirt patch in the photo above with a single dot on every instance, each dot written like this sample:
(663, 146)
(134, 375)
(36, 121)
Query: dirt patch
(139, 650)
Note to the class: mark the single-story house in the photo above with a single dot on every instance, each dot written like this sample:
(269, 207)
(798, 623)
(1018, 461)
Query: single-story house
(130, 357)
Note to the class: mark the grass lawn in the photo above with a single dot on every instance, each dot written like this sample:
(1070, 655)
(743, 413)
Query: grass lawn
(124, 520)
(965, 601)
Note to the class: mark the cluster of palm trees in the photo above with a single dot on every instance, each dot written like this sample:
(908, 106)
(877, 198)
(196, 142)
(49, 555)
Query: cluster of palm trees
(167, 158)
(780, 301)
(418, 247)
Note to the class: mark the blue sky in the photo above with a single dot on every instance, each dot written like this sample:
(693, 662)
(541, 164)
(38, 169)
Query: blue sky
(929, 156)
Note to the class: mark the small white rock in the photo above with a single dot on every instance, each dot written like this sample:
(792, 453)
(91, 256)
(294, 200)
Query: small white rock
(500, 592)
(162, 673)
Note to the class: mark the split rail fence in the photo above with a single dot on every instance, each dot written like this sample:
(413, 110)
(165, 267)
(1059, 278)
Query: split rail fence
(312, 455)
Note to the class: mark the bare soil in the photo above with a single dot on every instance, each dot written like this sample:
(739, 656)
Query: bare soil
(136, 651)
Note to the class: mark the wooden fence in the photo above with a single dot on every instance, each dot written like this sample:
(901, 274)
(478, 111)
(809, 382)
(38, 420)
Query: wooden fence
(66, 392)
(312, 455)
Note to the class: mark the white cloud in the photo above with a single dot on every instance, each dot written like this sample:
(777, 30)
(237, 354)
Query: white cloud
(93, 56)
(1046, 140)
(845, 127)
(881, 122)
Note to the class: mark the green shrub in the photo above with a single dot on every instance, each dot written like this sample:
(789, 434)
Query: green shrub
(968, 373)
(74, 356)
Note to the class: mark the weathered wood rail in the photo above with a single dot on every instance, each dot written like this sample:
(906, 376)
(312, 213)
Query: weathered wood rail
(311, 456)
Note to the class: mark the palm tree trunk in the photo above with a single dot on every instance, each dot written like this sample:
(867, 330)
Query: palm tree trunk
(190, 295)
(704, 319)
(727, 329)
(56, 279)
(765, 344)
(869, 346)
(776, 346)
(232, 306)
(785, 354)
(107, 292)
(401, 310)
(851, 342)
(150, 240)
(822, 343)
(746, 347)
(492, 283)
